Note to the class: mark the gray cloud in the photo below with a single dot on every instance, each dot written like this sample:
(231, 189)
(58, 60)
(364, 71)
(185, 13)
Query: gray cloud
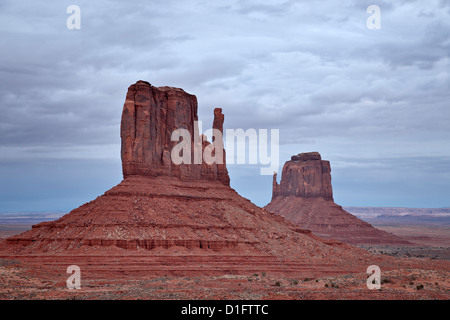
(311, 69)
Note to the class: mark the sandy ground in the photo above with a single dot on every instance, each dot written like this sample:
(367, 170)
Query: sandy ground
(432, 241)
(17, 282)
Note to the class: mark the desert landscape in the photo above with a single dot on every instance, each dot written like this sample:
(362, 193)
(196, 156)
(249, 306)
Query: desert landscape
(179, 231)
(427, 229)
(22, 279)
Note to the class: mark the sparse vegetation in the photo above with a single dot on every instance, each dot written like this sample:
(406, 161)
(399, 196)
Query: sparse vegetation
(8, 262)
(386, 280)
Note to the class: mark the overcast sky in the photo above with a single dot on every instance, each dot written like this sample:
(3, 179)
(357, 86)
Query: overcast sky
(376, 103)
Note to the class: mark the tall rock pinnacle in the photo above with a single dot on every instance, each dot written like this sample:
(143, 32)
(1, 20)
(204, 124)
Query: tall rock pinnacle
(305, 197)
(150, 116)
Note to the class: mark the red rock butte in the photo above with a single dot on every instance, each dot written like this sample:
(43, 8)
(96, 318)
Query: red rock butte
(305, 197)
(149, 117)
(181, 220)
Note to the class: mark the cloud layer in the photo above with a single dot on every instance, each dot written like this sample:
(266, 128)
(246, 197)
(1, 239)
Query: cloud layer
(373, 102)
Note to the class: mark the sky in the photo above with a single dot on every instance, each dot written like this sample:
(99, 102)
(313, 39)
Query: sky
(374, 102)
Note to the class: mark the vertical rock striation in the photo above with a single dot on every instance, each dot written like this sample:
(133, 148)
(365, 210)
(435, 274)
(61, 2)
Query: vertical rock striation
(150, 116)
(306, 175)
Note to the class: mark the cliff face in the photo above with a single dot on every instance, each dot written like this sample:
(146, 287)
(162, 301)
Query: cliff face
(150, 116)
(307, 176)
(305, 197)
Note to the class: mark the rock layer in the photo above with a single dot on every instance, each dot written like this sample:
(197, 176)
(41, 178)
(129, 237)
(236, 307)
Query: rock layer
(144, 213)
(305, 197)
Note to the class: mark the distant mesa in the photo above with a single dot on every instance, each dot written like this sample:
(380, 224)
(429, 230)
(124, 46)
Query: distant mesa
(305, 197)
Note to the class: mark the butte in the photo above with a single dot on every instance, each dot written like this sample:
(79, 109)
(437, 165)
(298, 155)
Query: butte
(305, 197)
(178, 220)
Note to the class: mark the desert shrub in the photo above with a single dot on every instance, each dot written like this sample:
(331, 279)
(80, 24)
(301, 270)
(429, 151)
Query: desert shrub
(8, 262)
(278, 283)
(419, 287)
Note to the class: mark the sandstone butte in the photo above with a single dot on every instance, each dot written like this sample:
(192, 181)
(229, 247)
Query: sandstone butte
(178, 220)
(305, 197)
